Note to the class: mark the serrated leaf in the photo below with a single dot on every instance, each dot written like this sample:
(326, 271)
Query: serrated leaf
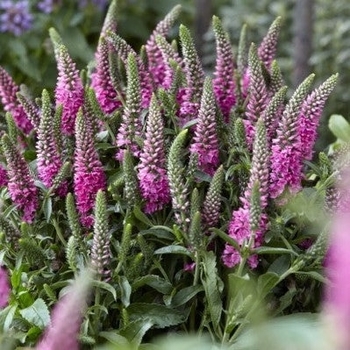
(37, 314)
(339, 127)
(185, 294)
(159, 315)
(173, 249)
(210, 280)
(154, 281)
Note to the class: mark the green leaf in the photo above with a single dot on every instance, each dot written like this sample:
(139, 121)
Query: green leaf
(114, 338)
(212, 288)
(154, 281)
(299, 331)
(173, 249)
(313, 274)
(266, 283)
(105, 286)
(273, 250)
(226, 238)
(8, 314)
(37, 314)
(159, 315)
(141, 216)
(280, 265)
(135, 331)
(186, 294)
(339, 127)
(47, 208)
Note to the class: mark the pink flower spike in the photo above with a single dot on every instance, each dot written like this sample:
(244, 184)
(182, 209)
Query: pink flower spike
(8, 96)
(223, 83)
(89, 176)
(69, 89)
(336, 308)
(5, 289)
(205, 141)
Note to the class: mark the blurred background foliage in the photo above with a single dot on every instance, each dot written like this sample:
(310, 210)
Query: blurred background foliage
(324, 30)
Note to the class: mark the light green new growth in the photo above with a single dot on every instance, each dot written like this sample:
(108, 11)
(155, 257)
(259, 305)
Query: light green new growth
(73, 217)
(100, 252)
(195, 234)
(12, 129)
(276, 78)
(212, 202)
(177, 180)
(255, 208)
(131, 189)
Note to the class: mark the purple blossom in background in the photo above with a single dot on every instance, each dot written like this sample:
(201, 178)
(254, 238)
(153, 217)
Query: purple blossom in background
(47, 6)
(8, 91)
(4, 287)
(15, 17)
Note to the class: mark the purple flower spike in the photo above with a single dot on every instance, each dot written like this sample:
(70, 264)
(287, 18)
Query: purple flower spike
(268, 47)
(89, 176)
(156, 62)
(257, 94)
(152, 174)
(101, 81)
(16, 17)
(69, 89)
(286, 157)
(49, 161)
(3, 177)
(224, 85)
(20, 184)
(190, 99)
(310, 114)
(8, 91)
(5, 289)
(66, 318)
(240, 231)
(205, 140)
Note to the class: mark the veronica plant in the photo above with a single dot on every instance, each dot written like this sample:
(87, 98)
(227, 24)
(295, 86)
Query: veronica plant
(193, 198)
